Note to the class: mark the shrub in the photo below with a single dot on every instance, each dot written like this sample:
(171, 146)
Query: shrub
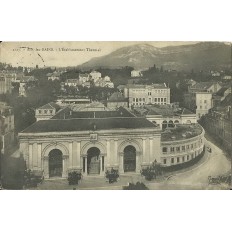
(112, 175)
(74, 177)
(137, 186)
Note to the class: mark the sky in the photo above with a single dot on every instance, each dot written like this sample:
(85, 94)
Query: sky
(63, 54)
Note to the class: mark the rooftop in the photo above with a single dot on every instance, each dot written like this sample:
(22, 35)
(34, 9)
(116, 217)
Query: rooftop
(50, 105)
(154, 86)
(72, 125)
(202, 85)
(181, 132)
(164, 110)
(116, 97)
(67, 113)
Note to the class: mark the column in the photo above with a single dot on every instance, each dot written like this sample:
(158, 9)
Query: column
(86, 171)
(39, 153)
(151, 150)
(138, 164)
(100, 160)
(78, 154)
(70, 154)
(35, 155)
(65, 163)
(30, 157)
(121, 168)
(109, 158)
(45, 166)
(116, 151)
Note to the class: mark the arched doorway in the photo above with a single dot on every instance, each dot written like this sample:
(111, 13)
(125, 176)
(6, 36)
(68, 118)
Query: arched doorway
(164, 124)
(129, 159)
(93, 161)
(55, 163)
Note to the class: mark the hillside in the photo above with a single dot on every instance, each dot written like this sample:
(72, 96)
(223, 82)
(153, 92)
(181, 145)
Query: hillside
(200, 56)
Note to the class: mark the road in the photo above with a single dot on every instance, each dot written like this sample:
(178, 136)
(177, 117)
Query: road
(215, 164)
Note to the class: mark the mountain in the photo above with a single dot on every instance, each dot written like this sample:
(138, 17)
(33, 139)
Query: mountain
(199, 56)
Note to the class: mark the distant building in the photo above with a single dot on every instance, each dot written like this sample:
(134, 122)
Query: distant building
(116, 100)
(147, 94)
(215, 74)
(199, 98)
(95, 75)
(54, 76)
(72, 82)
(47, 111)
(136, 73)
(166, 116)
(227, 77)
(219, 123)
(85, 77)
(6, 127)
(5, 84)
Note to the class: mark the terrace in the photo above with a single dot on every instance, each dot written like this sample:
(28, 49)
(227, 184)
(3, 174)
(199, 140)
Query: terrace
(181, 132)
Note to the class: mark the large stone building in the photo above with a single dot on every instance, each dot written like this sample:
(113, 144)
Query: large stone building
(5, 83)
(147, 94)
(219, 123)
(94, 141)
(199, 98)
(6, 127)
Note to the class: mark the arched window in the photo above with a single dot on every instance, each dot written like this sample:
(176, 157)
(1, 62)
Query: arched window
(165, 149)
(164, 124)
(176, 122)
(171, 124)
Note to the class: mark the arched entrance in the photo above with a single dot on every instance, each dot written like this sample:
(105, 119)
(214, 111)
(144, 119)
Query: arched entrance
(55, 163)
(129, 159)
(93, 160)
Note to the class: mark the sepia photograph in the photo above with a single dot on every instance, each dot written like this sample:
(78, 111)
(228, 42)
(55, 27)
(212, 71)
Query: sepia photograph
(128, 115)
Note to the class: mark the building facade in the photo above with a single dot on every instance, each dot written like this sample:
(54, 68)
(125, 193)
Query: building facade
(5, 84)
(92, 142)
(147, 94)
(90, 145)
(6, 127)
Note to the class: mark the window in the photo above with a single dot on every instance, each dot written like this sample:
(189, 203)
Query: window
(183, 159)
(177, 149)
(133, 99)
(51, 111)
(158, 99)
(161, 99)
(136, 99)
(39, 111)
(165, 149)
(187, 157)
(155, 99)
(165, 99)
(172, 149)
(140, 99)
(172, 160)
(165, 161)
(183, 148)
(200, 107)
(187, 147)
(191, 146)
(178, 159)
(45, 111)
(144, 99)
(149, 93)
(205, 101)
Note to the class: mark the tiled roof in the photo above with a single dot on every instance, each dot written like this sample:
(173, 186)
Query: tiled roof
(72, 125)
(116, 97)
(50, 105)
(68, 113)
(136, 86)
(202, 85)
